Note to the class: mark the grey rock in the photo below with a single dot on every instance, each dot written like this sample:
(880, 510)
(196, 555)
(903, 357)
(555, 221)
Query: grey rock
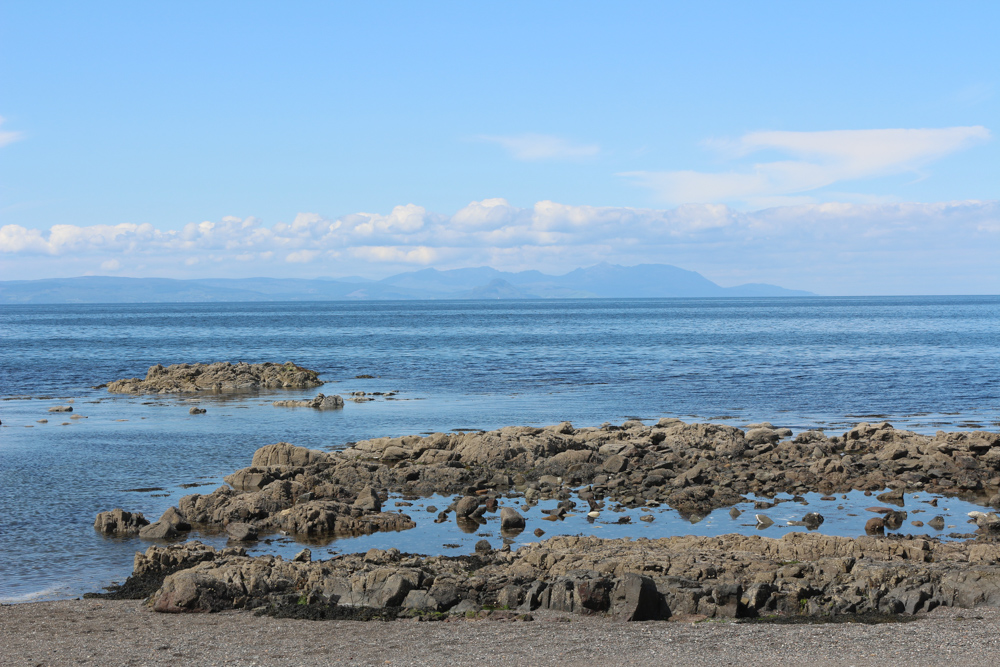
(161, 530)
(368, 500)
(241, 532)
(510, 519)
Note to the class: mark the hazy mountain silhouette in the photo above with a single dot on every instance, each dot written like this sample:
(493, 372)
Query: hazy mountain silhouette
(600, 281)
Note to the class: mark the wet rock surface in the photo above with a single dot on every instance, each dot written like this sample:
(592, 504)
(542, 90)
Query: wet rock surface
(219, 377)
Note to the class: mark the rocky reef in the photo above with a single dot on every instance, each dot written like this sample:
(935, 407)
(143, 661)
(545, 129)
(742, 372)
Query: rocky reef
(220, 377)
(693, 468)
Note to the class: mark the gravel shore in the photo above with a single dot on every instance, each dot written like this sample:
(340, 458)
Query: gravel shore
(86, 632)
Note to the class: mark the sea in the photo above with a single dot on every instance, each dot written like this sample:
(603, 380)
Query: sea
(921, 363)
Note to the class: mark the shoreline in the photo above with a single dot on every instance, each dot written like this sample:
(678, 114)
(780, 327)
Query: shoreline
(92, 632)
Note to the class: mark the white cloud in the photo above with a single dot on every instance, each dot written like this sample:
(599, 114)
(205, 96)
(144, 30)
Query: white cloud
(111, 265)
(535, 147)
(829, 248)
(7, 137)
(822, 159)
(302, 256)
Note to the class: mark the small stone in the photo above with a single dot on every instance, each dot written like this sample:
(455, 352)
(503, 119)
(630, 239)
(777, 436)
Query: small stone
(304, 556)
(197, 411)
(937, 523)
(483, 547)
(734, 513)
(539, 532)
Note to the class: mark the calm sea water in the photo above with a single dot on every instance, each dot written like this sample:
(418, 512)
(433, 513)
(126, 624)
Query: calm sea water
(923, 363)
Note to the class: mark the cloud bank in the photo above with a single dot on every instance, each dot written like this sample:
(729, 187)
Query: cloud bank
(817, 160)
(828, 248)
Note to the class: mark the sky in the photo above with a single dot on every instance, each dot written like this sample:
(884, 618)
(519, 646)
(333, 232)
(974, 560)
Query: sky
(841, 148)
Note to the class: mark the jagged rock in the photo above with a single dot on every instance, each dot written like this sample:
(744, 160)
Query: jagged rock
(120, 522)
(61, 408)
(220, 377)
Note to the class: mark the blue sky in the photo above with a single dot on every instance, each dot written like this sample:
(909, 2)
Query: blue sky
(842, 148)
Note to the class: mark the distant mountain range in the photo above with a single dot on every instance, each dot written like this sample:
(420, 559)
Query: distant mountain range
(600, 281)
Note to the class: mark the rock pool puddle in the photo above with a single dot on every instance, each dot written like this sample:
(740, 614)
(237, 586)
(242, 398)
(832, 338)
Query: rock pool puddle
(844, 516)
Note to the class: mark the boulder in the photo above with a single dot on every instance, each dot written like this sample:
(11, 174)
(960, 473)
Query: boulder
(875, 526)
(161, 530)
(466, 506)
(511, 519)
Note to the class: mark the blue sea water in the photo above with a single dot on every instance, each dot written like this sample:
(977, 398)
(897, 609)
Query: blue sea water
(923, 363)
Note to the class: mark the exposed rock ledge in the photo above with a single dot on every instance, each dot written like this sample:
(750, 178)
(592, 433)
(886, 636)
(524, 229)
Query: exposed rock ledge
(729, 576)
(692, 467)
(220, 377)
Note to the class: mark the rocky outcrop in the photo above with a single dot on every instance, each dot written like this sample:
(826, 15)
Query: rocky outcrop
(693, 468)
(320, 402)
(729, 576)
(218, 378)
(119, 522)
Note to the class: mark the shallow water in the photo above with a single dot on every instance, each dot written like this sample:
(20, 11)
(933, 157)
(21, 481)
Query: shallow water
(921, 363)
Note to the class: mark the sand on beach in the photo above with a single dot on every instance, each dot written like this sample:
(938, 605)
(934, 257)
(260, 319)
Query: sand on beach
(87, 632)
